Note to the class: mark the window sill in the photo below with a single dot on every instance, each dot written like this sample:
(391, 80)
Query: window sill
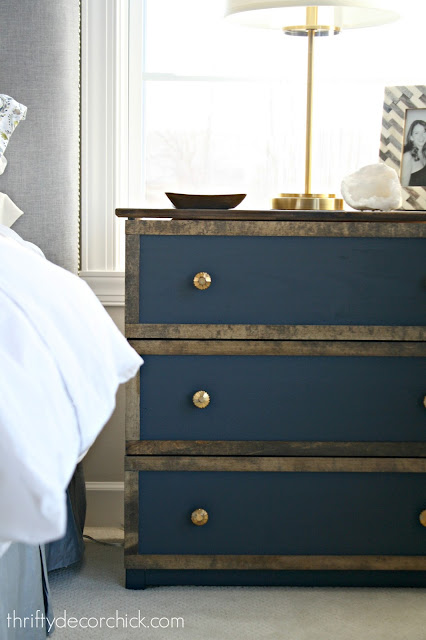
(107, 285)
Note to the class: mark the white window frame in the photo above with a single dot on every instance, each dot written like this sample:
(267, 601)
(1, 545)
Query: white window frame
(105, 155)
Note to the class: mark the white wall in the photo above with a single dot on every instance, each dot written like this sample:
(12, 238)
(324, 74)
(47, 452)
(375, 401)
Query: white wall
(104, 463)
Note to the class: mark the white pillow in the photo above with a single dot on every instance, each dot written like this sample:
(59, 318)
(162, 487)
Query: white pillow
(9, 212)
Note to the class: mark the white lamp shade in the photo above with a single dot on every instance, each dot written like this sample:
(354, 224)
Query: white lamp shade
(345, 14)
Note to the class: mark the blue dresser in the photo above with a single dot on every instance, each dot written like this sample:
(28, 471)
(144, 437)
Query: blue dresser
(276, 433)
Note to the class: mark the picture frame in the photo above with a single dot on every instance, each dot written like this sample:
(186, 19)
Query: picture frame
(403, 141)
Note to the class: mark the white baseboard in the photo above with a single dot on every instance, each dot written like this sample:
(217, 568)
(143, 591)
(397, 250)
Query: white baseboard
(105, 504)
(105, 486)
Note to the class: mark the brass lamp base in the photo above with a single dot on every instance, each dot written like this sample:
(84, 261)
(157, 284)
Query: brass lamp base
(307, 201)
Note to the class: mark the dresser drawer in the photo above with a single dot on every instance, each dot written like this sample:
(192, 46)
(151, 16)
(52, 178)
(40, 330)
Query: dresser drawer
(288, 513)
(288, 398)
(281, 280)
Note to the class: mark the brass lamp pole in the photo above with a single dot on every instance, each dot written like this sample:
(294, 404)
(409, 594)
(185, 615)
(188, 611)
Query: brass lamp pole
(309, 101)
(309, 200)
(344, 14)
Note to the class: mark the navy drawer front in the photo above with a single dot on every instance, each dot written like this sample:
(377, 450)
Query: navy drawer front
(289, 398)
(283, 280)
(282, 513)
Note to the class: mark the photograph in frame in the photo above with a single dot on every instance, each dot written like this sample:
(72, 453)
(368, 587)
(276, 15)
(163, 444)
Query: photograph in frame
(403, 141)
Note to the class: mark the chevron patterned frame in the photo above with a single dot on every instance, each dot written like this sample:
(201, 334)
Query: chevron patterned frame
(397, 101)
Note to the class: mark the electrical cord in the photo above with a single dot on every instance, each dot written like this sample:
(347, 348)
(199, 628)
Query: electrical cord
(107, 544)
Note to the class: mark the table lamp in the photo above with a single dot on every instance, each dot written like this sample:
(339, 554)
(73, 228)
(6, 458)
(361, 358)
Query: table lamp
(311, 19)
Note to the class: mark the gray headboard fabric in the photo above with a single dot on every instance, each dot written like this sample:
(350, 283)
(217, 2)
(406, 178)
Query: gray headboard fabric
(40, 68)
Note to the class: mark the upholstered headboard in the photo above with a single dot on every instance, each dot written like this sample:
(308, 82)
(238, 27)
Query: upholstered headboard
(40, 68)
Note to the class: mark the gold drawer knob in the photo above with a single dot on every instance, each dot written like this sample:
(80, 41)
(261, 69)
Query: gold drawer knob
(422, 517)
(202, 280)
(199, 517)
(201, 399)
(424, 401)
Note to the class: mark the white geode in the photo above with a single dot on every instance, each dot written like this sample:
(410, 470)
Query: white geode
(375, 187)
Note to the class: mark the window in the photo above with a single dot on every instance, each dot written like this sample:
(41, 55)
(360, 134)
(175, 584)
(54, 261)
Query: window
(195, 104)
(223, 107)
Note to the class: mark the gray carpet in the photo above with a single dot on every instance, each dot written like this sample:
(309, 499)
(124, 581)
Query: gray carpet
(221, 613)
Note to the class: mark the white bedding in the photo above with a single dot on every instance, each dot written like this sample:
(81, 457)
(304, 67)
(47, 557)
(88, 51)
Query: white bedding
(61, 361)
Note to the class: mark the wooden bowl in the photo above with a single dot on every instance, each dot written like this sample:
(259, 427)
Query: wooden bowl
(192, 201)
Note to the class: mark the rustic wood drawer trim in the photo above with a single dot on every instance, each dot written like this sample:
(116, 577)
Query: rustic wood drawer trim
(131, 512)
(277, 563)
(274, 448)
(132, 279)
(289, 464)
(273, 332)
(132, 419)
(275, 228)
(278, 348)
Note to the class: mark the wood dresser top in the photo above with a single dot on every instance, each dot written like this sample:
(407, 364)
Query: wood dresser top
(272, 214)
